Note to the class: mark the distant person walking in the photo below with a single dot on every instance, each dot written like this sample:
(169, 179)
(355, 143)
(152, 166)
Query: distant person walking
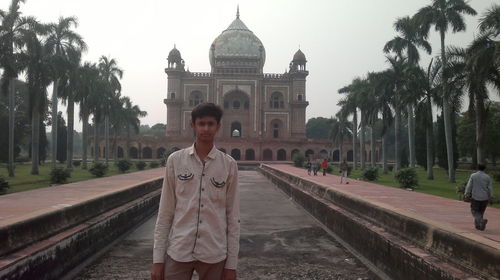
(315, 167)
(308, 166)
(344, 168)
(480, 190)
(324, 165)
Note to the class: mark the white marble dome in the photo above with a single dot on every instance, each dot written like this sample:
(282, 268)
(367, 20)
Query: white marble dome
(237, 42)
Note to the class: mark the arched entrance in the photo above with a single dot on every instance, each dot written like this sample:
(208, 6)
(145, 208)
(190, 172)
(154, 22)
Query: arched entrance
(349, 155)
(236, 154)
(336, 155)
(120, 152)
(147, 153)
(281, 154)
(134, 153)
(160, 152)
(249, 154)
(309, 153)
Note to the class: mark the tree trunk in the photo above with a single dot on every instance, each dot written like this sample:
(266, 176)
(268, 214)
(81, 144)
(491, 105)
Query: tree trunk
(35, 137)
(411, 135)
(384, 157)
(115, 146)
(96, 141)
(480, 128)
(372, 144)
(397, 142)
(429, 140)
(85, 127)
(355, 139)
(341, 146)
(106, 138)
(127, 155)
(12, 115)
(362, 142)
(71, 117)
(447, 115)
(54, 124)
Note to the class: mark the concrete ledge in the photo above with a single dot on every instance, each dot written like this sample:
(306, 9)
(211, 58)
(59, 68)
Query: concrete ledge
(53, 257)
(403, 246)
(24, 232)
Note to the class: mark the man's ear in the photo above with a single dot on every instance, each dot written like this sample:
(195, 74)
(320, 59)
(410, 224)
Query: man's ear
(191, 124)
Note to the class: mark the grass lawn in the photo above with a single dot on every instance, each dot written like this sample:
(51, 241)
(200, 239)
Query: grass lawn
(439, 186)
(24, 181)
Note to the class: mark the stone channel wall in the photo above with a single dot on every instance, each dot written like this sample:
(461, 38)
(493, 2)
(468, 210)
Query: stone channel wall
(50, 246)
(402, 246)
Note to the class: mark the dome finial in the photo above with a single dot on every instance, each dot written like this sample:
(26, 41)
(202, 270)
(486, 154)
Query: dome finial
(238, 11)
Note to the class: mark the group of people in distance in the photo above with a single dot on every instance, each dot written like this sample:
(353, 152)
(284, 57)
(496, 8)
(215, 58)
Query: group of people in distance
(317, 164)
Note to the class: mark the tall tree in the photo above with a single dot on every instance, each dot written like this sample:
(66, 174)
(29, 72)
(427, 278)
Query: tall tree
(443, 14)
(349, 104)
(38, 76)
(111, 75)
(63, 43)
(12, 28)
(410, 38)
(132, 113)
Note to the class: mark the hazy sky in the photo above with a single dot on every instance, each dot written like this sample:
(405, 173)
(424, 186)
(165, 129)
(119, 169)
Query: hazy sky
(341, 39)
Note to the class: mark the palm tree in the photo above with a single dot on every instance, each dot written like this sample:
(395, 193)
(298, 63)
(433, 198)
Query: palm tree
(132, 114)
(384, 92)
(63, 42)
(87, 85)
(13, 26)
(111, 75)
(339, 130)
(67, 92)
(38, 64)
(444, 14)
(350, 106)
(410, 38)
(396, 78)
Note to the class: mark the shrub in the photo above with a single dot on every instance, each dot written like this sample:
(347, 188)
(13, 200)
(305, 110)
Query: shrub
(77, 163)
(140, 165)
(390, 167)
(154, 164)
(496, 177)
(22, 159)
(59, 175)
(123, 165)
(98, 169)
(4, 185)
(370, 174)
(407, 178)
(298, 160)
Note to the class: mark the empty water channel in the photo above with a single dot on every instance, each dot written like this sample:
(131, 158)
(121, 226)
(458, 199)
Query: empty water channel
(279, 240)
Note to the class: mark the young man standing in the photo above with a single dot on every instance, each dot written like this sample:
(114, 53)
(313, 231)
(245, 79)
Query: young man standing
(198, 226)
(480, 189)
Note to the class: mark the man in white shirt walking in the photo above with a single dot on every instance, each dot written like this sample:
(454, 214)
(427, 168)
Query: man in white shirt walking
(198, 226)
(480, 189)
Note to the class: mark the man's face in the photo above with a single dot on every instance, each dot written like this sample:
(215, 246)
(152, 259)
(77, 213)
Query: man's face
(205, 128)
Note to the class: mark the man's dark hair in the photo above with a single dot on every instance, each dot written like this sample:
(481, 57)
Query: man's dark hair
(206, 109)
(481, 167)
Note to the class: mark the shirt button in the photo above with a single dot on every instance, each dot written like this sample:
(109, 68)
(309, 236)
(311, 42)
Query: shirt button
(203, 189)
(202, 205)
(200, 221)
(203, 174)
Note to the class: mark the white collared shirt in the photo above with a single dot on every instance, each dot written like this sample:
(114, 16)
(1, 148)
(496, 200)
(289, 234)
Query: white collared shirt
(198, 217)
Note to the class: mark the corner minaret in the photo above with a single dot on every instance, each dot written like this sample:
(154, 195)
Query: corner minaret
(175, 72)
(298, 74)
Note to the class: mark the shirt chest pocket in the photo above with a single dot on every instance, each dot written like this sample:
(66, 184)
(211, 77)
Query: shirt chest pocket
(184, 179)
(217, 186)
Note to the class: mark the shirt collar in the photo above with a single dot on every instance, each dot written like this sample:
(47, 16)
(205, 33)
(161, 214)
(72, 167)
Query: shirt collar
(211, 155)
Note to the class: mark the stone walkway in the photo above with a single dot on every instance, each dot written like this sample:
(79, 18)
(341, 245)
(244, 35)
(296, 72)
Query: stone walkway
(278, 241)
(25, 205)
(452, 215)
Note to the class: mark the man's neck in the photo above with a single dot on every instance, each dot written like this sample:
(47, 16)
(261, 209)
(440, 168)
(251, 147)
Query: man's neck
(203, 149)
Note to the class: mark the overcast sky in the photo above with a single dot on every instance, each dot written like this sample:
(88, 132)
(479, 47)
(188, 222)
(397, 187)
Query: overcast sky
(341, 39)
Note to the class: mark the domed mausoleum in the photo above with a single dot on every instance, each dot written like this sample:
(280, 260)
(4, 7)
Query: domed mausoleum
(264, 113)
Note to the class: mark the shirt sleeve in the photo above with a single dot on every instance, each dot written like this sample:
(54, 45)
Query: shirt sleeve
(468, 188)
(165, 214)
(233, 218)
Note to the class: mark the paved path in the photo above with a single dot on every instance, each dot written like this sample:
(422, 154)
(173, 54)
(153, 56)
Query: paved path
(24, 205)
(278, 241)
(451, 214)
